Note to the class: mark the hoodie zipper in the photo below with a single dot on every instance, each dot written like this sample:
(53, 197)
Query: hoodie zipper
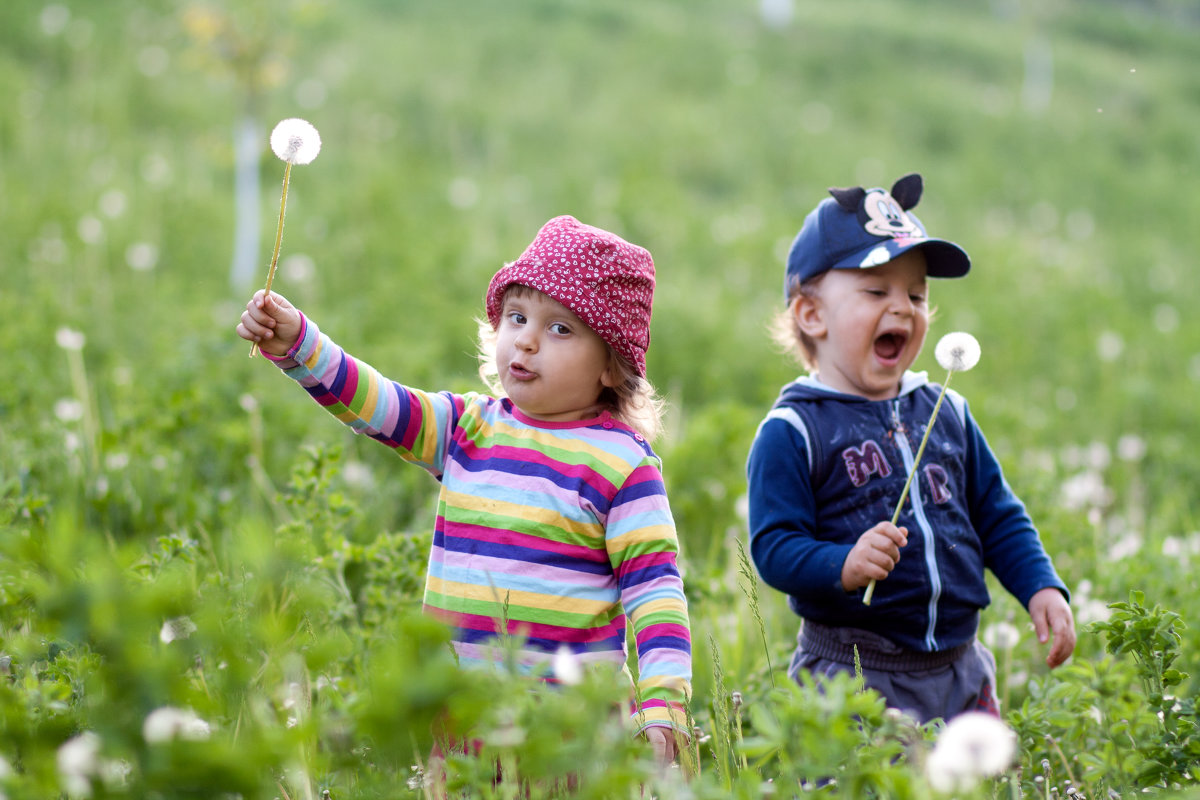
(914, 497)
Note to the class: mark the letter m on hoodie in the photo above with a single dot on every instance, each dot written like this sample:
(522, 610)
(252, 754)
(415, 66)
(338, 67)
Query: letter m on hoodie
(863, 462)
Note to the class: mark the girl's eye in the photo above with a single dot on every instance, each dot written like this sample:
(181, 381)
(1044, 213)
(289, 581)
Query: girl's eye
(516, 318)
(917, 298)
(876, 292)
(559, 329)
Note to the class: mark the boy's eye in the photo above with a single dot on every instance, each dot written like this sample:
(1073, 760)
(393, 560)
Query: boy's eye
(876, 292)
(917, 298)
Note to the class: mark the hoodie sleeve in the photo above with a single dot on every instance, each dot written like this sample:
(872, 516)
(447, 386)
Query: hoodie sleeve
(1012, 548)
(782, 506)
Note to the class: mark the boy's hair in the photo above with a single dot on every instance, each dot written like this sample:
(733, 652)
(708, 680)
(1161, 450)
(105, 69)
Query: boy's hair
(785, 330)
(632, 401)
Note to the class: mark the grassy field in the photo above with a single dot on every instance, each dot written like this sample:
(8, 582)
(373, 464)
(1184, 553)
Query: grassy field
(150, 471)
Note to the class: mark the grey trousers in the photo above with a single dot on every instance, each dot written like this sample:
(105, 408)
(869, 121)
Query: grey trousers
(924, 685)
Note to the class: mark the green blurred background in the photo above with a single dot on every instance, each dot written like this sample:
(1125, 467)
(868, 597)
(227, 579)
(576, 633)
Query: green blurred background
(1058, 141)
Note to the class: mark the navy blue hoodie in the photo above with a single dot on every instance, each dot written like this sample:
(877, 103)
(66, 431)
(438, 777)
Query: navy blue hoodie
(826, 466)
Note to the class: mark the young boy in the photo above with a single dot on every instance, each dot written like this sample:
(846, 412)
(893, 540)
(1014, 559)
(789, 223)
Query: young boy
(831, 458)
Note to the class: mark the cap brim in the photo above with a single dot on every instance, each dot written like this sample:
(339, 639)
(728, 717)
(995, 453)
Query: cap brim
(943, 259)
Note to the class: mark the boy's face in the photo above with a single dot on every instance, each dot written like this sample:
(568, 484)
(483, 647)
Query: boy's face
(868, 325)
(551, 364)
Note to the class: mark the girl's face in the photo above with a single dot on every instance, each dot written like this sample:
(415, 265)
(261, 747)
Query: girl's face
(868, 325)
(551, 364)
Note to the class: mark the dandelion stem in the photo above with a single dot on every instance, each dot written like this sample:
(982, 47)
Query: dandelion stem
(908, 483)
(287, 174)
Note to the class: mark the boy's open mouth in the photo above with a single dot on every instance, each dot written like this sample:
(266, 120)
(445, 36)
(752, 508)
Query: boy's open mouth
(889, 346)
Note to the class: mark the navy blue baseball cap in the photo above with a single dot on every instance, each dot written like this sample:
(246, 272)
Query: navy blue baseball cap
(860, 228)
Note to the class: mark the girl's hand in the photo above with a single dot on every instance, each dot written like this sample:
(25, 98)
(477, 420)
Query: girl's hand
(1052, 615)
(272, 321)
(663, 741)
(873, 556)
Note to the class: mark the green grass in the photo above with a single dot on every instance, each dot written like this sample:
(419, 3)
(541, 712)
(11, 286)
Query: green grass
(691, 128)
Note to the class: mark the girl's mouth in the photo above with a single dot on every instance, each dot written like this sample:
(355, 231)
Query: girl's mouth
(889, 346)
(519, 372)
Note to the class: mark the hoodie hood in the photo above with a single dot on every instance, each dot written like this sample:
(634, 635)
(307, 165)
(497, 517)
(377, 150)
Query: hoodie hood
(808, 387)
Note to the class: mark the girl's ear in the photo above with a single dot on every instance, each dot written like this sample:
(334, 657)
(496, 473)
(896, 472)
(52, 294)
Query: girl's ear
(809, 315)
(611, 377)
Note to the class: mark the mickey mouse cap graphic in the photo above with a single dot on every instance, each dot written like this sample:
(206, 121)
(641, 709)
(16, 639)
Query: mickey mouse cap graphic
(859, 228)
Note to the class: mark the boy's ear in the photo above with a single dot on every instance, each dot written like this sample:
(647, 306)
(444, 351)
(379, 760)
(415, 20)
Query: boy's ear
(809, 315)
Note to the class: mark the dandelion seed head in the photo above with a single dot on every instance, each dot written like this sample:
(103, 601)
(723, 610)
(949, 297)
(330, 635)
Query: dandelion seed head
(176, 628)
(957, 351)
(68, 410)
(77, 761)
(1001, 635)
(566, 667)
(296, 141)
(69, 339)
(168, 723)
(973, 745)
(141, 256)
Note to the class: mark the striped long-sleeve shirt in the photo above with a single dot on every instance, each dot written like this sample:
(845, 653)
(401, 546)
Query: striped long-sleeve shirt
(562, 528)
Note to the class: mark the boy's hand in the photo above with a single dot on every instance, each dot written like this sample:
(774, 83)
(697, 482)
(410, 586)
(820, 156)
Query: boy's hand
(1052, 615)
(873, 556)
(271, 321)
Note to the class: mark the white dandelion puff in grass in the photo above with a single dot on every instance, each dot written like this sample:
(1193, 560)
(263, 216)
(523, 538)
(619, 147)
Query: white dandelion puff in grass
(295, 141)
(167, 724)
(957, 352)
(566, 667)
(69, 339)
(77, 761)
(176, 628)
(972, 746)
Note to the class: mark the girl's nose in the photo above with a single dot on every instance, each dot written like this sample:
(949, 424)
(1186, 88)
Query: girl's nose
(526, 340)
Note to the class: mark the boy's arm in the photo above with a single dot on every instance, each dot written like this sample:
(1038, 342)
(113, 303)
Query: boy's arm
(1012, 548)
(782, 510)
(643, 548)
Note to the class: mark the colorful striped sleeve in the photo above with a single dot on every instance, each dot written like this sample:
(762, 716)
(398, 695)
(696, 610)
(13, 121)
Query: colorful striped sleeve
(416, 424)
(643, 548)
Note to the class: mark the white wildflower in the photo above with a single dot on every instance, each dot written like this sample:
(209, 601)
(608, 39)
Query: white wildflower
(168, 723)
(1110, 345)
(5, 768)
(116, 461)
(566, 666)
(112, 203)
(958, 351)
(141, 256)
(1127, 545)
(776, 13)
(296, 141)
(78, 761)
(176, 628)
(248, 402)
(973, 745)
(1090, 610)
(69, 339)
(1131, 447)
(358, 475)
(68, 410)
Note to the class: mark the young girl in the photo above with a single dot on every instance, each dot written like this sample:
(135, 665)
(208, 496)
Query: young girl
(552, 513)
